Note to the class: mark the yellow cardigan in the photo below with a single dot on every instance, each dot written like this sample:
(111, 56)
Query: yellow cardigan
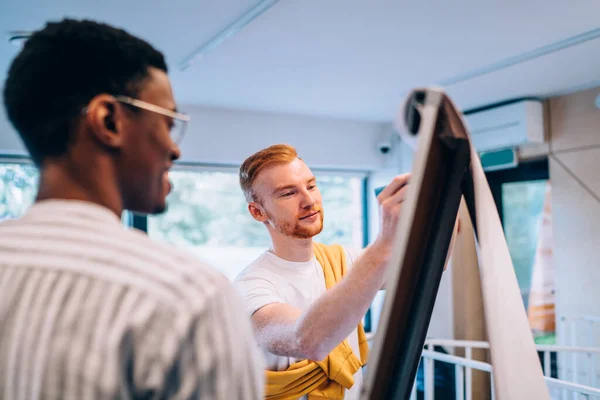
(325, 379)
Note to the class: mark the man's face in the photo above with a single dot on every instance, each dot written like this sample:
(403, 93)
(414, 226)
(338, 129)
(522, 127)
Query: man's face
(290, 200)
(148, 151)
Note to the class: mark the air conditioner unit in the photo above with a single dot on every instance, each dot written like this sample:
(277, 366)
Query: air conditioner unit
(507, 126)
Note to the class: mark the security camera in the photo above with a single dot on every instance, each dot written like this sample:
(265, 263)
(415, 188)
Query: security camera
(384, 146)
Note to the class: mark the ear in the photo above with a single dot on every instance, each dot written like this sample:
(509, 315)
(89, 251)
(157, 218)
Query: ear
(257, 212)
(105, 119)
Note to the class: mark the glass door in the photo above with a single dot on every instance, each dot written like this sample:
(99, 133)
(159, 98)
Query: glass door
(523, 199)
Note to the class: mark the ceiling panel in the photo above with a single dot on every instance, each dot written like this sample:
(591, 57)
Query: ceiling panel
(352, 59)
(575, 68)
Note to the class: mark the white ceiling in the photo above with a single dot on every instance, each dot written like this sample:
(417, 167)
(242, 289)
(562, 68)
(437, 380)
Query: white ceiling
(348, 59)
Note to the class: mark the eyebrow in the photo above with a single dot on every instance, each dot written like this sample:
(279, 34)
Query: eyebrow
(282, 188)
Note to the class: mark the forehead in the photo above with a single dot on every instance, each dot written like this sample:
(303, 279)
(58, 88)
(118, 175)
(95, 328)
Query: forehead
(293, 173)
(156, 89)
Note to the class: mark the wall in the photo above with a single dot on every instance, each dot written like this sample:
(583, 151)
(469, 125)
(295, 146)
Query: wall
(228, 136)
(574, 174)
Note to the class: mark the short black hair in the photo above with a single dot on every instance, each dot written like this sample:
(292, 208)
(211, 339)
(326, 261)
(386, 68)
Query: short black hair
(60, 69)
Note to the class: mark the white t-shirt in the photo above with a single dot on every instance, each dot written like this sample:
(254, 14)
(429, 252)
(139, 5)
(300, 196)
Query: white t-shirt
(270, 279)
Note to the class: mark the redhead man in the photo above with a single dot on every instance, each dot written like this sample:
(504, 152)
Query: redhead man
(307, 318)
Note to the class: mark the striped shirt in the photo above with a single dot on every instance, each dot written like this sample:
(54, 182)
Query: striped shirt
(92, 310)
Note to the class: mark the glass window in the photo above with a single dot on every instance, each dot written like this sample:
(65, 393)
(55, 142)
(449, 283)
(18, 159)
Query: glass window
(207, 215)
(343, 210)
(522, 206)
(18, 187)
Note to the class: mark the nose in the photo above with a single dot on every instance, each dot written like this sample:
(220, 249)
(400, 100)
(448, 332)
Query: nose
(175, 152)
(308, 200)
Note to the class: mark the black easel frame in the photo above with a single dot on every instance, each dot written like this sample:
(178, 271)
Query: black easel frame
(441, 177)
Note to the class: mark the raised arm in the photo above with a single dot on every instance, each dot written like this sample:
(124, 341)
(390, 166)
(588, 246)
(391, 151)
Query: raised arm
(313, 333)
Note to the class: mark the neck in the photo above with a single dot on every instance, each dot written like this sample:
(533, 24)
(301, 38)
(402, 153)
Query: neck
(292, 249)
(63, 181)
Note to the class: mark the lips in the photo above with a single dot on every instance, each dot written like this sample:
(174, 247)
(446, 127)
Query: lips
(167, 181)
(310, 215)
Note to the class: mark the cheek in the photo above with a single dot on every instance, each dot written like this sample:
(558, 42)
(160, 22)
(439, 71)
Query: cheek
(138, 143)
(317, 200)
(154, 136)
(282, 210)
(143, 163)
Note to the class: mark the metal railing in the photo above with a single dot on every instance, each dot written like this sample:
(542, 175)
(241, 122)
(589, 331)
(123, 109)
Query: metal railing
(464, 366)
(569, 330)
(460, 364)
(583, 330)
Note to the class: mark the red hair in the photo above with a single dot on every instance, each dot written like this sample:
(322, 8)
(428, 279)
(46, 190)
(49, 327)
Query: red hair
(251, 167)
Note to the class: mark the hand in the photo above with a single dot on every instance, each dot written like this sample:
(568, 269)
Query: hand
(390, 202)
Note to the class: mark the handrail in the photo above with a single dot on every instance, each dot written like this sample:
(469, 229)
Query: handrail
(482, 366)
(576, 387)
(479, 365)
(465, 365)
(485, 345)
(589, 318)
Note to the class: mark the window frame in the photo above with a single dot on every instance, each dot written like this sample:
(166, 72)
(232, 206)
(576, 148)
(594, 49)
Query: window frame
(15, 159)
(140, 221)
(532, 170)
(130, 219)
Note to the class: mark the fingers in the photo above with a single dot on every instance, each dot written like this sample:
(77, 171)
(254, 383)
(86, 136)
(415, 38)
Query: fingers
(391, 200)
(399, 182)
(392, 205)
(400, 195)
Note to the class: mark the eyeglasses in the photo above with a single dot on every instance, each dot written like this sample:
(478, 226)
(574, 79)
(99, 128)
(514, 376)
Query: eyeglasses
(180, 120)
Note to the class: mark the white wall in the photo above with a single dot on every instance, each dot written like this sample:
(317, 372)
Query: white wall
(228, 136)
(223, 136)
(397, 161)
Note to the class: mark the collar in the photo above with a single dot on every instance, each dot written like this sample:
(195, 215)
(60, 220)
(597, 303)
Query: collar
(74, 208)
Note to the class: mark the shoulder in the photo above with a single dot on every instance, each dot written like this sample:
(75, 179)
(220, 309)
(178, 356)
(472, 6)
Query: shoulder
(258, 276)
(257, 268)
(258, 284)
(351, 253)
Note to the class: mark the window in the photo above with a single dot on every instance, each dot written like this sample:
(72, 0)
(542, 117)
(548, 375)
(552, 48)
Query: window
(343, 210)
(522, 205)
(207, 215)
(522, 196)
(18, 187)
